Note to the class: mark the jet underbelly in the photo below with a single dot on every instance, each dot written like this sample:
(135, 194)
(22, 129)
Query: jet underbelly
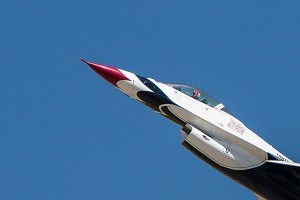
(235, 153)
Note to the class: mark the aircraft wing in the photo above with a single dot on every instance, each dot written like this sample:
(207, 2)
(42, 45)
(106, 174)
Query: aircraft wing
(285, 174)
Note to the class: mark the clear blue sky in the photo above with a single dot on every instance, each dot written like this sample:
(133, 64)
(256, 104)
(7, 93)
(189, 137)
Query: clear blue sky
(65, 133)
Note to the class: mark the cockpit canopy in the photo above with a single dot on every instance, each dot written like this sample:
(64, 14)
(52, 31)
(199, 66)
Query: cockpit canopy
(196, 93)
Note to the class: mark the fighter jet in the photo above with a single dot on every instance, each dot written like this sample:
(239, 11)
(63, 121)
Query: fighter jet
(213, 133)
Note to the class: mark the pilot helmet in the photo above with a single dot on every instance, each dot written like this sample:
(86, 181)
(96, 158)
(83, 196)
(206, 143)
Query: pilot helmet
(196, 94)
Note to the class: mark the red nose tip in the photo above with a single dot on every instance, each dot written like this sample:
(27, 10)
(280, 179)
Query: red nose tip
(111, 74)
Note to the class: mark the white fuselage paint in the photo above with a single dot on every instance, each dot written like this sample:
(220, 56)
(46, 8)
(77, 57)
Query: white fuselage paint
(230, 143)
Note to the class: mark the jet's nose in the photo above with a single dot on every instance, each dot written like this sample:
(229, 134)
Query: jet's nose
(111, 74)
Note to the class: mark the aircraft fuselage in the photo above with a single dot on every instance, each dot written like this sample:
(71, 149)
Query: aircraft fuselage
(211, 132)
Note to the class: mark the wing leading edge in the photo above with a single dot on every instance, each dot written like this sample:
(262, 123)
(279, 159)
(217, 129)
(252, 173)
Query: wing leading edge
(259, 197)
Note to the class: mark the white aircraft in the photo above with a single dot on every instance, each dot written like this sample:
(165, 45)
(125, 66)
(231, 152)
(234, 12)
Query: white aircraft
(213, 134)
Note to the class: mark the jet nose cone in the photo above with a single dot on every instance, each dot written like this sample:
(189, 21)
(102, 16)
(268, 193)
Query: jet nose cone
(111, 74)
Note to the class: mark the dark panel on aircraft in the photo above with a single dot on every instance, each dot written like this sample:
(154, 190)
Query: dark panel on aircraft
(271, 181)
(152, 86)
(153, 100)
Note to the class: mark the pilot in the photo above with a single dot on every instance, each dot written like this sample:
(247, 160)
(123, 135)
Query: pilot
(196, 94)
